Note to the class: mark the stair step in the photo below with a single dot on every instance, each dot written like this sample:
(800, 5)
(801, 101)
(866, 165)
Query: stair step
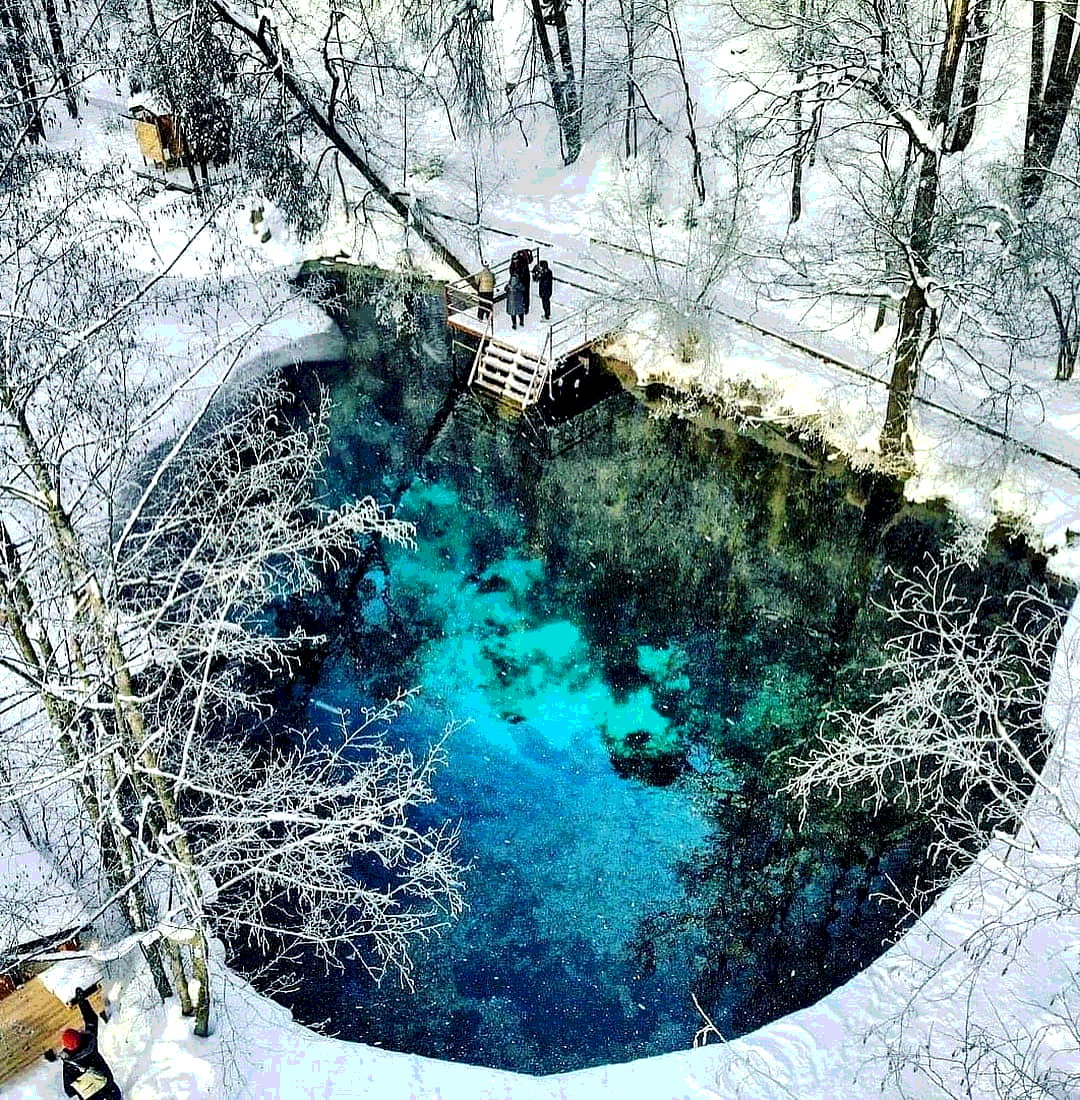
(523, 377)
(512, 391)
(504, 398)
(509, 373)
(500, 379)
(506, 350)
(510, 368)
(501, 351)
(497, 378)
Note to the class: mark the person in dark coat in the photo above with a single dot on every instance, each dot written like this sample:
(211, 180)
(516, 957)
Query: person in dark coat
(544, 280)
(520, 263)
(86, 1074)
(485, 290)
(515, 300)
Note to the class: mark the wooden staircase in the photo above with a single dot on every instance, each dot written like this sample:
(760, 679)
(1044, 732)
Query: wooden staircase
(512, 375)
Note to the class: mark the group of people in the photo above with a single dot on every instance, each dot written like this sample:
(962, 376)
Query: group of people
(518, 287)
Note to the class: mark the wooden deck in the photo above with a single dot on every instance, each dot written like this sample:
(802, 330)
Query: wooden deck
(31, 1020)
(516, 365)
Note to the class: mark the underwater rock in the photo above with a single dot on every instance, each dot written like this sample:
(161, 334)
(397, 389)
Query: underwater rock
(641, 755)
(640, 741)
(639, 736)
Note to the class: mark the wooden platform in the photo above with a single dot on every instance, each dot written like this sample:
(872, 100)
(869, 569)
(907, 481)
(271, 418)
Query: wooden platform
(517, 365)
(31, 1020)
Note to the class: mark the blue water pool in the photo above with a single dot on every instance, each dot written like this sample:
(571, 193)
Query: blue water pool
(625, 640)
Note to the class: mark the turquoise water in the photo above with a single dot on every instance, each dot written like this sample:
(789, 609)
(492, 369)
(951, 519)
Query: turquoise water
(628, 639)
(566, 856)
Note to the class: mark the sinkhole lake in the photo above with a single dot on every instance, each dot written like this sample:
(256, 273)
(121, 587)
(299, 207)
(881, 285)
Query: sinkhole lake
(637, 631)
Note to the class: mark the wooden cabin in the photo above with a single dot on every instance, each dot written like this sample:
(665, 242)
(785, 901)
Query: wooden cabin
(158, 137)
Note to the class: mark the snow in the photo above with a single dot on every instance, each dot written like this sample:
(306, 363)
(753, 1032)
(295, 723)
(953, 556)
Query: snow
(37, 901)
(921, 997)
(64, 979)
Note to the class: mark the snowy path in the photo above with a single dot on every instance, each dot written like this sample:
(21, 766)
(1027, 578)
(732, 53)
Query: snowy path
(1010, 411)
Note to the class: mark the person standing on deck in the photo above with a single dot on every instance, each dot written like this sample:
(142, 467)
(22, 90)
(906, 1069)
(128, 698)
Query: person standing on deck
(519, 265)
(544, 279)
(485, 289)
(515, 300)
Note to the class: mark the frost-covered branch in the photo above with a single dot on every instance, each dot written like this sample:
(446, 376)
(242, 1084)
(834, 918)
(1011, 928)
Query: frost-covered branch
(957, 729)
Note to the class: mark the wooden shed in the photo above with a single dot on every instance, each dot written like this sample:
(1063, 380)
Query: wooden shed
(158, 137)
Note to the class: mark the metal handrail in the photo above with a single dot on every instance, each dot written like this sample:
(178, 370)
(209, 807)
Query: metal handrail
(592, 320)
(547, 358)
(485, 338)
(462, 295)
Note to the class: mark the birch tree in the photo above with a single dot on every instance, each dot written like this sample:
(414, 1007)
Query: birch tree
(134, 602)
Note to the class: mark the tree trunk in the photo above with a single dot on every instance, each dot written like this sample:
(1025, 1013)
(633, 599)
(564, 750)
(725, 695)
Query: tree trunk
(276, 65)
(628, 12)
(914, 309)
(200, 970)
(1049, 101)
(914, 312)
(972, 78)
(1036, 73)
(572, 91)
(562, 94)
(905, 369)
(696, 173)
(19, 54)
(63, 66)
(1068, 337)
(117, 856)
(84, 591)
(955, 33)
(800, 130)
(167, 80)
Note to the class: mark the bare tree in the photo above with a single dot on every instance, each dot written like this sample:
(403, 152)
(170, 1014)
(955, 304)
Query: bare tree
(866, 95)
(284, 838)
(332, 108)
(668, 22)
(21, 92)
(957, 730)
(671, 258)
(131, 624)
